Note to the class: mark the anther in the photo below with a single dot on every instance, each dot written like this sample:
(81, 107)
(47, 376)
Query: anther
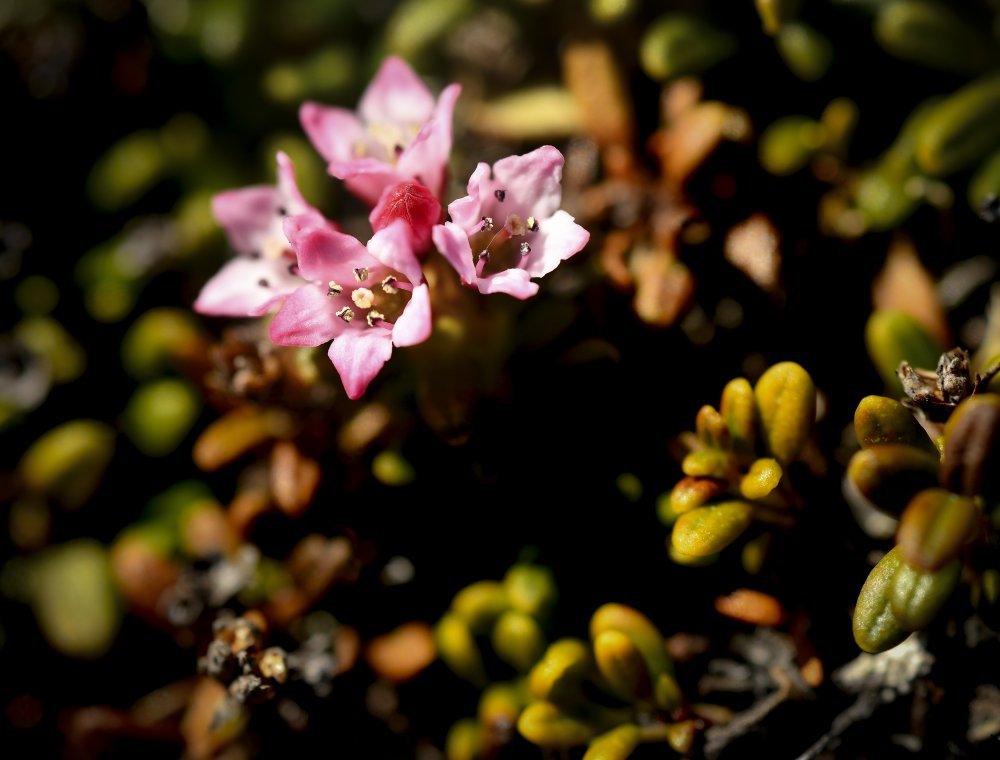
(346, 314)
(333, 289)
(363, 298)
(487, 224)
(483, 256)
(500, 194)
(374, 316)
(525, 249)
(263, 283)
(282, 211)
(293, 269)
(532, 224)
(361, 274)
(389, 285)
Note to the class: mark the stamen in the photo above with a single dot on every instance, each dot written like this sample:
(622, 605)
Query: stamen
(525, 249)
(282, 211)
(361, 274)
(500, 195)
(333, 289)
(484, 258)
(263, 283)
(532, 224)
(346, 314)
(391, 285)
(487, 224)
(398, 150)
(293, 269)
(363, 298)
(375, 317)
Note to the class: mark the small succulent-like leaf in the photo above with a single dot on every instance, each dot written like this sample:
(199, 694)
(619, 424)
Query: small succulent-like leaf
(935, 527)
(677, 44)
(789, 144)
(639, 628)
(711, 428)
(501, 704)
(160, 414)
(763, 477)
(681, 736)
(518, 640)
(879, 419)
(617, 744)
(876, 628)
(558, 675)
(706, 463)
(68, 461)
(75, 599)
(531, 589)
(709, 530)
(480, 604)
(739, 410)
(889, 475)
(457, 647)
(917, 596)
(774, 13)
(786, 402)
(464, 741)
(546, 725)
(962, 129)
(623, 666)
(805, 50)
(933, 35)
(693, 492)
(972, 447)
(893, 337)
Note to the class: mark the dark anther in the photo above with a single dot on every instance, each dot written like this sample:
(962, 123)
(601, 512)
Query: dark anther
(399, 150)
(282, 211)
(293, 269)
(255, 255)
(500, 194)
(533, 224)
(263, 283)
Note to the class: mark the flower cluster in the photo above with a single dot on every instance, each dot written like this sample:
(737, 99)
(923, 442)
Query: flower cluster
(369, 297)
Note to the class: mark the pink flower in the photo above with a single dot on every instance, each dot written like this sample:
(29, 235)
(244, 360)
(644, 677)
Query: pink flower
(399, 133)
(264, 271)
(365, 299)
(509, 228)
(412, 203)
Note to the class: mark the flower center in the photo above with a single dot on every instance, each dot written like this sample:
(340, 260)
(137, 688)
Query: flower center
(498, 248)
(388, 139)
(377, 306)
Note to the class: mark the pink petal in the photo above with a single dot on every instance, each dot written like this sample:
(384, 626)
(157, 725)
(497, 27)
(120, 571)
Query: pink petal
(414, 324)
(307, 318)
(426, 158)
(514, 282)
(531, 182)
(324, 253)
(235, 290)
(392, 247)
(414, 206)
(288, 190)
(334, 132)
(396, 96)
(453, 243)
(467, 212)
(246, 214)
(558, 238)
(358, 356)
(366, 178)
